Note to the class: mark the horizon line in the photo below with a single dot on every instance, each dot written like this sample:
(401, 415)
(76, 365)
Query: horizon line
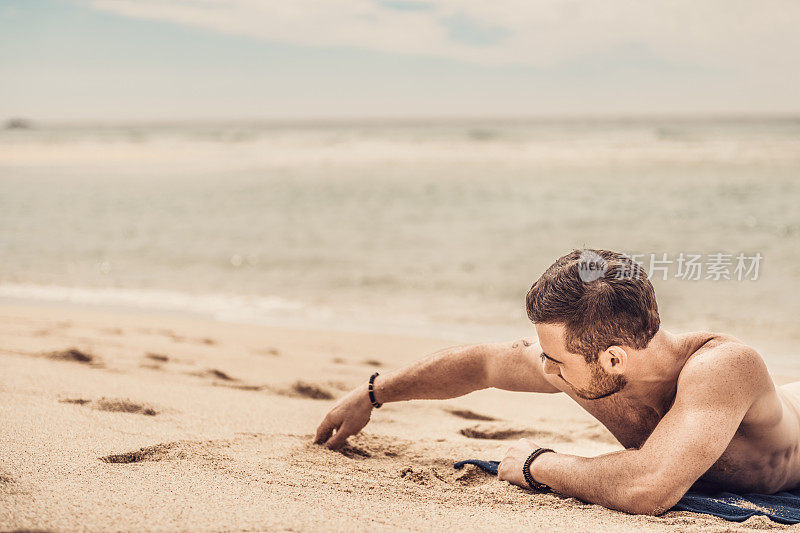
(23, 122)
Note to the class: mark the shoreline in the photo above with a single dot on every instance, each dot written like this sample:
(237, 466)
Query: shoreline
(227, 313)
(779, 361)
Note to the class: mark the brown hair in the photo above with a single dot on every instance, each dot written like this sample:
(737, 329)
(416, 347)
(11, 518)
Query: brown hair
(602, 298)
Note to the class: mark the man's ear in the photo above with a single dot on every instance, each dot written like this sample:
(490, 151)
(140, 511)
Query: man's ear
(614, 359)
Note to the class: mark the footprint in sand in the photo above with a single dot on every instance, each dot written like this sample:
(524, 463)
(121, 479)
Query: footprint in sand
(156, 357)
(157, 363)
(505, 433)
(312, 391)
(75, 401)
(114, 405)
(180, 338)
(202, 451)
(74, 355)
(159, 452)
(341, 385)
(372, 362)
(172, 335)
(214, 374)
(218, 374)
(267, 351)
(223, 379)
(239, 386)
(302, 389)
(470, 415)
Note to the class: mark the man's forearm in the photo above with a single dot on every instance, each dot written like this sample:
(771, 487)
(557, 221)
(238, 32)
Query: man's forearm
(616, 480)
(444, 374)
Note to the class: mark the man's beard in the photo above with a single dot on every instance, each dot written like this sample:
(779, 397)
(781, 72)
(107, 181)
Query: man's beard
(602, 384)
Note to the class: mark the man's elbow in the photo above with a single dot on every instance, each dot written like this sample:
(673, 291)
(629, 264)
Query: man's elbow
(652, 498)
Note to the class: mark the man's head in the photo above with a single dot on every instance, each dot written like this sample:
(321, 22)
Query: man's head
(590, 308)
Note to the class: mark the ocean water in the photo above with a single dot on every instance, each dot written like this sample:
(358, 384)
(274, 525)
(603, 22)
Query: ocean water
(421, 228)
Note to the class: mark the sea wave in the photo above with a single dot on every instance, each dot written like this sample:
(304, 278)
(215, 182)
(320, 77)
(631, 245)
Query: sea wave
(225, 307)
(246, 309)
(558, 144)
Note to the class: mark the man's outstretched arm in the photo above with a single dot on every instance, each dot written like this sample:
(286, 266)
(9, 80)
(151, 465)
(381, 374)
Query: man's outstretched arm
(448, 373)
(712, 398)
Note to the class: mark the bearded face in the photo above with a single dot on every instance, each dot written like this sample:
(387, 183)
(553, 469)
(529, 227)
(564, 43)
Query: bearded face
(601, 384)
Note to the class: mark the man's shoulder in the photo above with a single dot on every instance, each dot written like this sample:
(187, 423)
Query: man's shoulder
(723, 361)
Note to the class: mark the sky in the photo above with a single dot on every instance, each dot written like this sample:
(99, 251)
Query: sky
(318, 59)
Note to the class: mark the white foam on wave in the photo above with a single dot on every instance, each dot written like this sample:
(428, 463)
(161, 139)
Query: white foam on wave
(225, 307)
(247, 309)
(556, 144)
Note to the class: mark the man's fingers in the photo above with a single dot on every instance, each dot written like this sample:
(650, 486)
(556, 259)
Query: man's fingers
(337, 441)
(325, 430)
(501, 470)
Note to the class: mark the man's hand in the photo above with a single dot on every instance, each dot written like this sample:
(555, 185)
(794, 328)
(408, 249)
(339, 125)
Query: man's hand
(510, 468)
(347, 417)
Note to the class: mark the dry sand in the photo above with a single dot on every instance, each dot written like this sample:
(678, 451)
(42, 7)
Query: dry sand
(170, 423)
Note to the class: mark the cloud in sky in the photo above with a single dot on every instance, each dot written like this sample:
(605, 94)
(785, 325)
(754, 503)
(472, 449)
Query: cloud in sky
(735, 34)
(318, 58)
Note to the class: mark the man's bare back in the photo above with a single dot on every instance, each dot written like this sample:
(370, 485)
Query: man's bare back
(761, 457)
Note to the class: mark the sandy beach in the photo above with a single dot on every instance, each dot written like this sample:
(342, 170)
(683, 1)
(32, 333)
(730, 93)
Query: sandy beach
(219, 218)
(114, 420)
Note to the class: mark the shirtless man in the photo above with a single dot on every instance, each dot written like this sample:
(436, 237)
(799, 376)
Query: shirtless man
(693, 410)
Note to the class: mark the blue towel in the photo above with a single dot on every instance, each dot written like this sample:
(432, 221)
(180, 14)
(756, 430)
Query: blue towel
(783, 507)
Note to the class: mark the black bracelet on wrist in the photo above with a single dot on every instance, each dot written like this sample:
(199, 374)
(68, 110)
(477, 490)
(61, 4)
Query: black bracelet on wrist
(371, 390)
(526, 470)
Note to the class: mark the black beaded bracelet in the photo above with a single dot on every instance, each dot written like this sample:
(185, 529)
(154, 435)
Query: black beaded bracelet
(371, 390)
(526, 470)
